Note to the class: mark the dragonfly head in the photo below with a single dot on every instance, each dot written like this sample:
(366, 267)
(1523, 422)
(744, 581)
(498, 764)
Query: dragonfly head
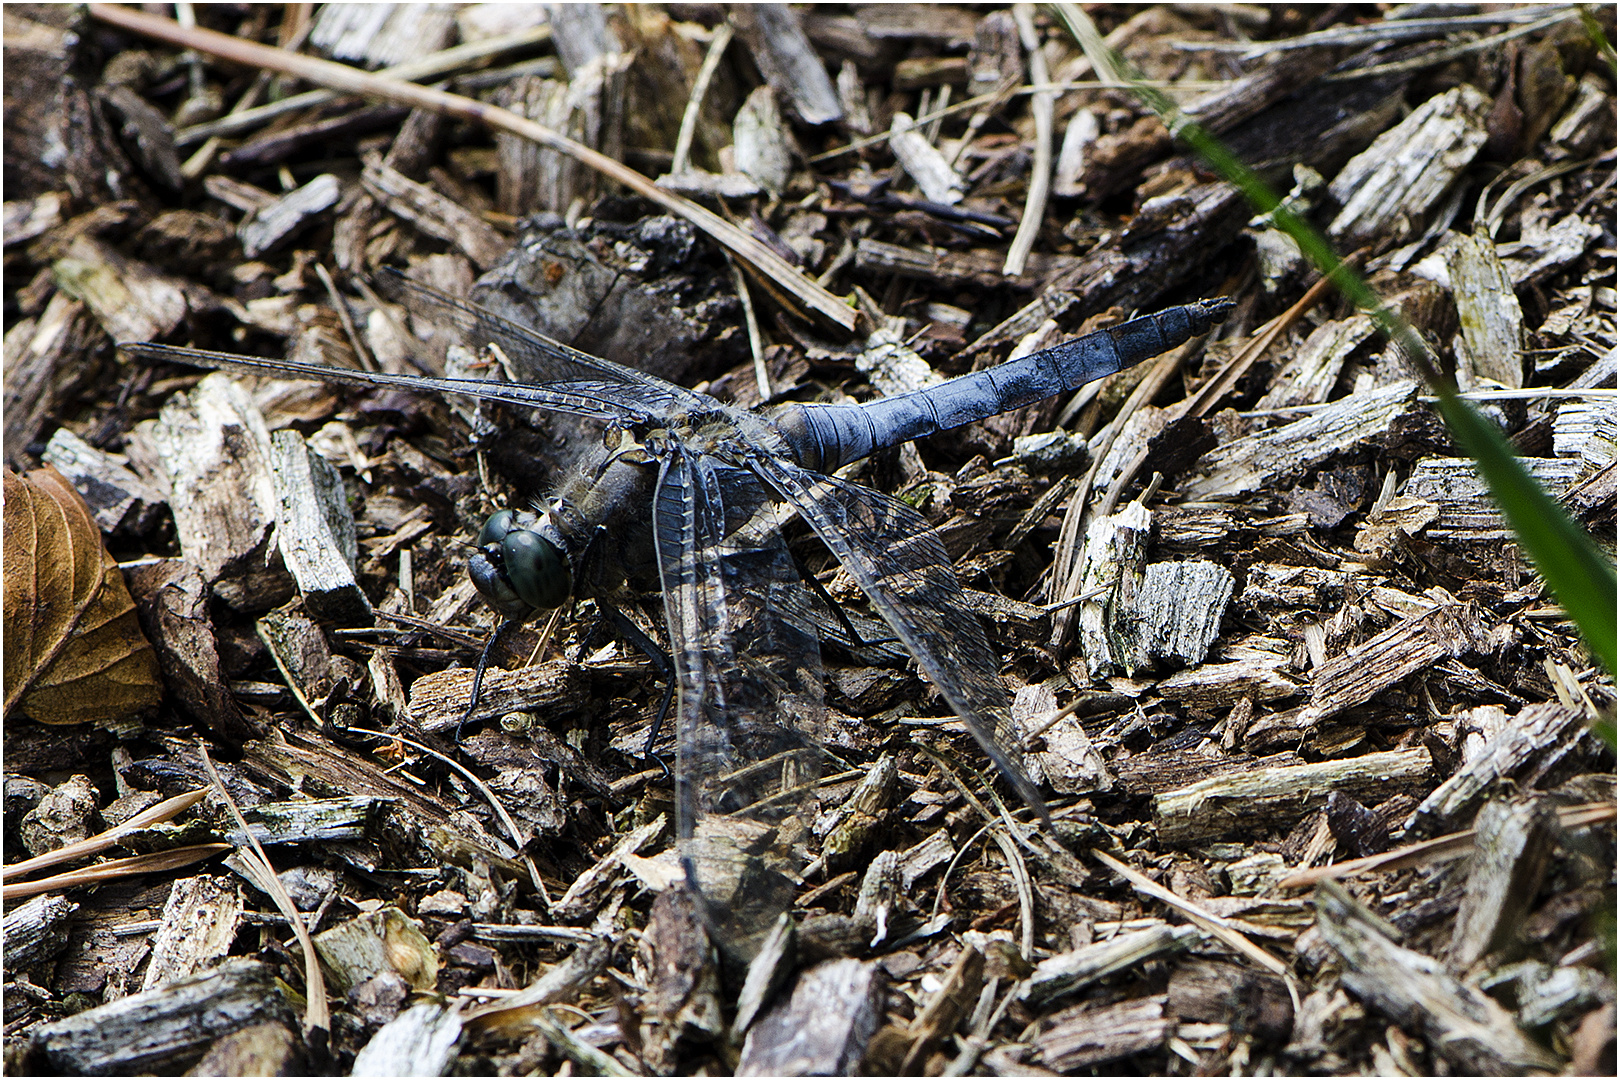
(517, 568)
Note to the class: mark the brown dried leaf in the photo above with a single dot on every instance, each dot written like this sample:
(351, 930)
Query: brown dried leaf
(74, 650)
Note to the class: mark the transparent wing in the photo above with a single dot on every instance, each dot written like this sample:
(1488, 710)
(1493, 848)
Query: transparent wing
(897, 559)
(748, 667)
(537, 357)
(594, 399)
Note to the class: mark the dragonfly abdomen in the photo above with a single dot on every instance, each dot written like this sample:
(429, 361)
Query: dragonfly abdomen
(826, 436)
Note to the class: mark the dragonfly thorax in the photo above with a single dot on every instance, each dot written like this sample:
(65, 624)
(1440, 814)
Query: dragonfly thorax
(517, 567)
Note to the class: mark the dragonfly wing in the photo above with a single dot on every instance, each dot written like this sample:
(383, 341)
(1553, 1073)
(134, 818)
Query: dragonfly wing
(593, 399)
(536, 356)
(899, 562)
(748, 666)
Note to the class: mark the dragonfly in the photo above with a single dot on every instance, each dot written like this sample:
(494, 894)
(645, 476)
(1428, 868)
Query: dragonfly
(684, 502)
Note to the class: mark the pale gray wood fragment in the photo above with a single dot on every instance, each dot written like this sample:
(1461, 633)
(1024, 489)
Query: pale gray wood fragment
(823, 1027)
(923, 163)
(315, 529)
(585, 893)
(1388, 190)
(1538, 735)
(215, 452)
(163, 1030)
(1269, 798)
(1466, 506)
(768, 972)
(760, 141)
(1462, 1024)
(283, 219)
(197, 929)
(1067, 760)
(1115, 548)
(268, 1049)
(923, 856)
(1310, 374)
(1176, 616)
(35, 931)
(787, 60)
(1081, 967)
(1512, 844)
(1269, 458)
(1488, 309)
(1585, 429)
(118, 499)
(1261, 678)
(1089, 1034)
(382, 35)
(45, 359)
(440, 704)
(421, 1041)
(1542, 250)
(303, 821)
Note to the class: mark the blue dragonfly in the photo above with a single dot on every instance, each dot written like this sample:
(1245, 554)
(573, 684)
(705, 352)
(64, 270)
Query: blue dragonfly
(684, 503)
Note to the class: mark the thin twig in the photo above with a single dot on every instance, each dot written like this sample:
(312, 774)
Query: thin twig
(680, 161)
(354, 81)
(756, 343)
(1040, 179)
(436, 64)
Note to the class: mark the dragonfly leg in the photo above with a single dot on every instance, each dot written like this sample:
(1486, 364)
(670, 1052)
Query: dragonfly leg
(478, 675)
(855, 639)
(660, 659)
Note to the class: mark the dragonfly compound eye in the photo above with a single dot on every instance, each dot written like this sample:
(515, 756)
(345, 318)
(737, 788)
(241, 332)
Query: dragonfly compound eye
(536, 569)
(516, 569)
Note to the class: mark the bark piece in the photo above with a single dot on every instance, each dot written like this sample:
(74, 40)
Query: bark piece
(1068, 760)
(384, 35)
(1276, 797)
(35, 931)
(315, 529)
(119, 500)
(1466, 508)
(434, 214)
(46, 360)
(1176, 615)
(278, 223)
(1089, 1034)
(1388, 191)
(268, 1049)
(1513, 842)
(1081, 967)
(1538, 735)
(1311, 373)
(585, 894)
(784, 56)
(760, 141)
(132, 301)
(215, 451)
(682, 974)
(197, 929)
(385, 940)
(936, 179)
(1585, 429)
(861, 816)
(421, 1041)
(171, 599)
(1115, 548)
(1269, 459)
(439, 701)
(1488, 309)
(163, 1029)
(823, 1027)
(306, 821)
(1462, 1024)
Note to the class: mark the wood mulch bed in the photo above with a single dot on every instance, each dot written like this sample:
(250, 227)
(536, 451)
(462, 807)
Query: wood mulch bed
(1318, 744)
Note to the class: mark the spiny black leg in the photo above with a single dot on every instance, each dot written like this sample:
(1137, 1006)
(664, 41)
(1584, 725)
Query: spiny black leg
(855, 639)
(660, 659)
(478, 675)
